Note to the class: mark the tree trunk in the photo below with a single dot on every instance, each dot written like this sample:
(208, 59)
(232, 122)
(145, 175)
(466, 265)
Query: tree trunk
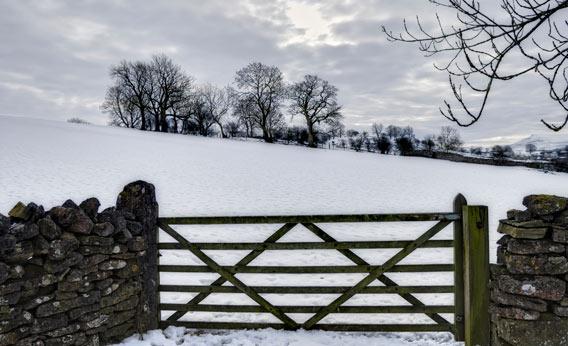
(163, 122)
(157, 122)
(222, 132)
(266, 135)
(143, 120)
(311, 137)
(175, 125)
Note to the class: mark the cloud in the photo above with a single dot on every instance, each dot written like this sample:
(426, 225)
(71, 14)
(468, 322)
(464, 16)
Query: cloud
(56, 56)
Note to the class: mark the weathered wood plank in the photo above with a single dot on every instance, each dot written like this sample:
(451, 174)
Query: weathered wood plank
(459, 203)
(326, 327)
(279, 233)
(216, 220)
(308, 289)
(373, 275)
(396, 244)
(403, 268)
(230, 277)
(393, 309)
(156, 310)
(476, 278)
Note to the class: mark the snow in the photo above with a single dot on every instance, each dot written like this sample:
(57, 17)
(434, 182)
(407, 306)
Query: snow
(528, 289)
(48, 162)
(177, 336)
(550, 141)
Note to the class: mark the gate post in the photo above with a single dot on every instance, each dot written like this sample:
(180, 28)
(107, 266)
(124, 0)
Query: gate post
(476, 275)
(139, 199)
(459, 203)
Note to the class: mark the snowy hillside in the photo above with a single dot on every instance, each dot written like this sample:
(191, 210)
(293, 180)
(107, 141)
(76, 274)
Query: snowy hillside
(47, 162)
(550, 141)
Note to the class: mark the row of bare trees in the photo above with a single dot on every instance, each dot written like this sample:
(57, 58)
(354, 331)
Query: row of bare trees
(401, 140)
(159, 96)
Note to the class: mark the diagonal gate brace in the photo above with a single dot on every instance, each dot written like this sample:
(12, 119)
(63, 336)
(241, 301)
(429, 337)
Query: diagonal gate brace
(374, 274)
(290, 323)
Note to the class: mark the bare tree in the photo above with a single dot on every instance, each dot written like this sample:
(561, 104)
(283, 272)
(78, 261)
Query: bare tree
(429, 143)
(316, 100)
(449, 139)
(233, 127)
(262, 87)
(134, 79)
(377, 129)
(530, 148)
(484, 39)
(405, 145)
(500, 153)
(200, 114)
(119, 106)
(244, 109)
(169, 86)
(127, 100)
(383, 143)
(393, 131)
(216, 102)
(336, 129)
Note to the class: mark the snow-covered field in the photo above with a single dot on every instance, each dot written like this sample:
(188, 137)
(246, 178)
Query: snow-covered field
(48, 162)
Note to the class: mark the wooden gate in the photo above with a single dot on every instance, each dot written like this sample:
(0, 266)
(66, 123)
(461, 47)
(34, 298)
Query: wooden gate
(470, 267)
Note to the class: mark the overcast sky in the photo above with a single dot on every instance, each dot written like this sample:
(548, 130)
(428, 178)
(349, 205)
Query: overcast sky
(55, 57)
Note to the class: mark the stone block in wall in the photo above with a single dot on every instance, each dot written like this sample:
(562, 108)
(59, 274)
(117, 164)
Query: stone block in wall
(515, 313)
(21, 212)
(524, 230)
(534, 247)
(518, 215)
(21, 252)
(541, 205)
(562, 218)
(560, 310)
(23, 231)
(543, 264)
(103, 229)
(4, 224)
(90, 207)
(533, 333)
(42, 325)
(49, 229)
(71, 259)
(544, 287)
(560, 234)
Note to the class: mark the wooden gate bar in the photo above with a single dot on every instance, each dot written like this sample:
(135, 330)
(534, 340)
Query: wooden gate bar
(382, 278)
(327, 327)
(343, 245)
(402, 268)
(290, 323)
(219, 220)
(309, 289)
(388, 309)
(243, 262)
(399, 256)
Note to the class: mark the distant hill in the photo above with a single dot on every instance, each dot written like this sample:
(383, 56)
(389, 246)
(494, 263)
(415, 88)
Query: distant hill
(542, 142)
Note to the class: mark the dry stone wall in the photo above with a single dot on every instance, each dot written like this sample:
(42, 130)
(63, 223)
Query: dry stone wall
(528, 283)
(74, 275)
